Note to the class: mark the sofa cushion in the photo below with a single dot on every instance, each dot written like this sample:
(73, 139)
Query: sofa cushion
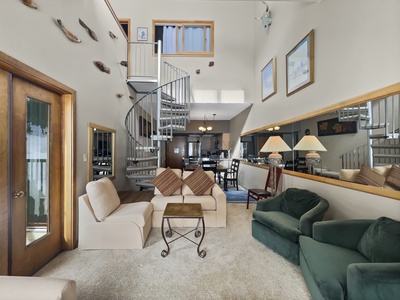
(103, 197)
(207, 201)
(138, 213)
(381, 241)
(167, 182)
(197, 182)
(280, 222)
(328, 265)
(369, 177)
(297, 202)
(160, 202)
(393, 177)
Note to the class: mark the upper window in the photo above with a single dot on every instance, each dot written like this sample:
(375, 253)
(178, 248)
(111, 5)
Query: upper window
(185, 38)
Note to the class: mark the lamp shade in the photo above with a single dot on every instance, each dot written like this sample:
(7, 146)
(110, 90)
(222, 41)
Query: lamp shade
(275, 144)
(309, 143)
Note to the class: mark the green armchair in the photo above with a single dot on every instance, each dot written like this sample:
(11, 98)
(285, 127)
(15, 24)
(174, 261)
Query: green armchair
(278, 222)
(352, 259)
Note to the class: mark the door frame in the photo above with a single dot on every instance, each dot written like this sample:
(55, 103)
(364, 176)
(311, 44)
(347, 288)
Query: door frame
(69, 238)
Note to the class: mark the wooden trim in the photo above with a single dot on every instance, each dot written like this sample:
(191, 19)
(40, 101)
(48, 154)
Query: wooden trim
(68, 99)
(344, 184)
(116, 19)
(370, 96)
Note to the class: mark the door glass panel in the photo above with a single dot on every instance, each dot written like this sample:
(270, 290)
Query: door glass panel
(37, 163)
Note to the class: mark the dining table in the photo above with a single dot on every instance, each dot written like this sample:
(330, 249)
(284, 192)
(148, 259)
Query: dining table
(222, 172)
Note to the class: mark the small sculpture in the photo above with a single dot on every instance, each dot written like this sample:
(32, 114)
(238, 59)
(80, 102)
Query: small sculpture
(120, 95)
(67, 33)
(30, 3)
(91, 32)
(198, 71)
(124, 63)
(113, 35)
(211, 64)
(102, 67)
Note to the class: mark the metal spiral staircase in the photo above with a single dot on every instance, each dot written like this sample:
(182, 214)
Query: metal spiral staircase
(162, 107)
(381, 119)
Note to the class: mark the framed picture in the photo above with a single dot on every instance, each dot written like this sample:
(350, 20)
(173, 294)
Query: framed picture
(268, 80)
(142, 34)
(300, 65)
(334, 127)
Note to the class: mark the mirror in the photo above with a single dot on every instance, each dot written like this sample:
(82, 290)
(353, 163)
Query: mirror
(101, 152)
(364, 129)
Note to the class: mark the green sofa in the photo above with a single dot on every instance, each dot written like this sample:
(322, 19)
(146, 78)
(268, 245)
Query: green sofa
(352, 259)
(278, 222)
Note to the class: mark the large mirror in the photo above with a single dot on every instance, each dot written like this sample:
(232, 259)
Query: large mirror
(101, 152)
(363, 130)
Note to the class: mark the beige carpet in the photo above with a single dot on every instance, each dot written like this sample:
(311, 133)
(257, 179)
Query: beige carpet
(237, 266)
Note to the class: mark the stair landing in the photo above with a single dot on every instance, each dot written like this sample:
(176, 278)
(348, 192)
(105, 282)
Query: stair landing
(142, 84)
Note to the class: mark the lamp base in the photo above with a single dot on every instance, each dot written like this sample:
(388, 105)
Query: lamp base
(275, 159)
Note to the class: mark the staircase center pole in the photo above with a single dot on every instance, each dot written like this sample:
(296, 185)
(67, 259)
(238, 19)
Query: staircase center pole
(159, 47)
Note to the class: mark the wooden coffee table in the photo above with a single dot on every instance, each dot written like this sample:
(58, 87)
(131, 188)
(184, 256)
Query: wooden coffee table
(183, 211)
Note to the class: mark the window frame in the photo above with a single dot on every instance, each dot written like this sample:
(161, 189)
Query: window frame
(180, 23)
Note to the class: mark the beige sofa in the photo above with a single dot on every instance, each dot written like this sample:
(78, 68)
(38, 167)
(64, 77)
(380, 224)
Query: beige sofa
(36, 288)
(213, 203)
(105, 223)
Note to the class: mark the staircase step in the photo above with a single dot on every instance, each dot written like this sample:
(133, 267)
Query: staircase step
(353, 118)
(174, 118)
(147, 149)
(172, 104)
(161, 137)
(173, 127)
(140, 176)
(373, 126)
(378, 136)
(140, 168)
(145, 184)
(385, 146)
(167, 110)
(386, 155)
(140, 159)
(167, 97)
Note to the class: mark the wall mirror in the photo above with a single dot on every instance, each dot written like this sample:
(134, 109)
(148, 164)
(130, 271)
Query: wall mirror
(362, 130)
(101, 152)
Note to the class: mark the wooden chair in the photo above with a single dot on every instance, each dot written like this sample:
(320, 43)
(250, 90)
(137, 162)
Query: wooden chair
(232, 175)
(258, 194)
(210, 165)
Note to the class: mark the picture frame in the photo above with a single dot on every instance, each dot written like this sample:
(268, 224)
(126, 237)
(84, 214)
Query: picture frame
(268, 80)
(335, 127)
(300, 65)
(142, 34)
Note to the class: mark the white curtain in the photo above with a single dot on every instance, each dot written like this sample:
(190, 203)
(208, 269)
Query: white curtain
(169, 40)
(194, 39)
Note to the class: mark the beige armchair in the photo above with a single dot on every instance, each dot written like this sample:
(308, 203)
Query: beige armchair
(105, 223)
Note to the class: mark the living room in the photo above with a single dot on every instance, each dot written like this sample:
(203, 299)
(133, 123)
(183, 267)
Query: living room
(356, 53)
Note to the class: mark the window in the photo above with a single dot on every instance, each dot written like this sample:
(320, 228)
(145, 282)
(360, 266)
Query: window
(185, 38)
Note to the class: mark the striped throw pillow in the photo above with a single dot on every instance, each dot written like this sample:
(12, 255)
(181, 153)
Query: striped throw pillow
(393, 178)
(199, 182)
(369, 177)
(167, 182)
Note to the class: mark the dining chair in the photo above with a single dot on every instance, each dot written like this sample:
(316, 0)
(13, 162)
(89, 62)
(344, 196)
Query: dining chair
(232, 174)
(258, 194)
(210, 165)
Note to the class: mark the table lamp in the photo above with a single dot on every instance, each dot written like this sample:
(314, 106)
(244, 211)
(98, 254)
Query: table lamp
(311, 144)
(275, 144)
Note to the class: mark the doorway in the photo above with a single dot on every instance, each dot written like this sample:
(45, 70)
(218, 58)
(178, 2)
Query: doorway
(35, 177)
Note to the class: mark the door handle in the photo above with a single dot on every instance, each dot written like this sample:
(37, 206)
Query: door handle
(18, 194)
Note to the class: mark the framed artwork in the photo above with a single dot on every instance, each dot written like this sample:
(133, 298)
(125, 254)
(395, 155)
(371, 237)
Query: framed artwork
(142, 34)
(300, 65)
(268, 80)
(334, 127)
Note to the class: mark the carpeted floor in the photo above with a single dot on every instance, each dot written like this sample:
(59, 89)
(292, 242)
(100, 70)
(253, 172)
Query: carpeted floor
(236, 266)
(233, 195)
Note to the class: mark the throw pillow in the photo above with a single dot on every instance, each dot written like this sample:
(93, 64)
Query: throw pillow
(199, 182)
(381, 241)
(393, 178)
(369, 177)
(103, 197)
(167, 182)
(296, 202)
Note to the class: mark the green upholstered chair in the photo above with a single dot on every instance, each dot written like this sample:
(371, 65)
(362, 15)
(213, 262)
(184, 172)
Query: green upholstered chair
(279, 221)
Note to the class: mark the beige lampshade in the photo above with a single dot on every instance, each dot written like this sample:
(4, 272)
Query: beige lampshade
(309, 143)
(275, 144)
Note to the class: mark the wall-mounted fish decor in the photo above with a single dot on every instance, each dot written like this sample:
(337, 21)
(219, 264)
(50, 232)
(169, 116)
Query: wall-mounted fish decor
(90, 31)
(124, 63)
(68, 33)
(102, 67)
(30, 3)
(120, 95)
(113, 36)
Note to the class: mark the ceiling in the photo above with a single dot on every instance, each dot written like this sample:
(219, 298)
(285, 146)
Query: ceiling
(222, 111)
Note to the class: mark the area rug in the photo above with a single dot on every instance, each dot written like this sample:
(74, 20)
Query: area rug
(233, 196)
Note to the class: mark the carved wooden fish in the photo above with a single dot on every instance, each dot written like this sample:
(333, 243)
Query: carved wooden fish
(102, 67)
(91, 32)
(124, 63)
(30, 3)
(113, 35)
(68, 33)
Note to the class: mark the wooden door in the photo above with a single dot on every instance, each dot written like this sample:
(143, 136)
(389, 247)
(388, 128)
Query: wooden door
(175, 152)
(35, 177)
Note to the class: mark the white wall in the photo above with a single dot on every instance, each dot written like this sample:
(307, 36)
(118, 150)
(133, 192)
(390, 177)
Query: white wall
(33, 37)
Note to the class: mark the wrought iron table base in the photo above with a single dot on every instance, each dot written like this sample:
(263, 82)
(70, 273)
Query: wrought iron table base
(197, 234)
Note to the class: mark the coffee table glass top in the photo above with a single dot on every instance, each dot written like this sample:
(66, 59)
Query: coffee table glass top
(183, 210)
